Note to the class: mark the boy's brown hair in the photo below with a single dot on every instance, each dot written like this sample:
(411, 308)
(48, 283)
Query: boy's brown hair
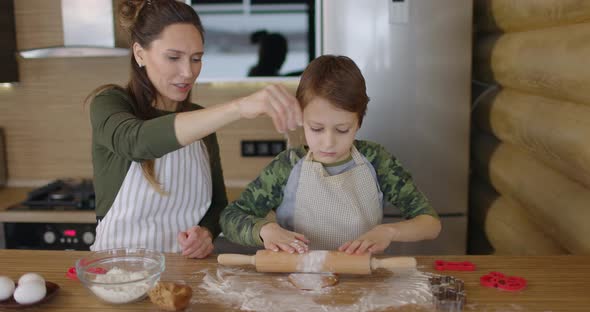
(336, 79)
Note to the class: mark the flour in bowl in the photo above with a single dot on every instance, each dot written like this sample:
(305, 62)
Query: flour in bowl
(121, 293)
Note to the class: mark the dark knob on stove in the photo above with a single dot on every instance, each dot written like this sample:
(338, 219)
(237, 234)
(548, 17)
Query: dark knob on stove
(87, 204)
(49, 237)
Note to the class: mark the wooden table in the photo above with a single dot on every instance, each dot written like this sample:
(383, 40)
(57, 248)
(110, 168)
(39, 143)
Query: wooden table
(555, 283)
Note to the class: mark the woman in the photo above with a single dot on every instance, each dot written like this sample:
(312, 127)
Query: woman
(157, 173)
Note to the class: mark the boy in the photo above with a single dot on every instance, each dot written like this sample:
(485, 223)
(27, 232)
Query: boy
(330, 194)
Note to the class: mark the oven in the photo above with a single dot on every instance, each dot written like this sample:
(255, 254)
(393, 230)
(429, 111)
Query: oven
(49, 236)
(62, 197)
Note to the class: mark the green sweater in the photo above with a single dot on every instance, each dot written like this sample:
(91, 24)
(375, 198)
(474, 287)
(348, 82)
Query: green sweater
(119, 137)
(242, 220)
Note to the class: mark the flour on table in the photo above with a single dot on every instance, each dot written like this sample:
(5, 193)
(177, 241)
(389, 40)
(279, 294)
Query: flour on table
(312, 261)
(312, 281)
(121, 293)
(253, 291)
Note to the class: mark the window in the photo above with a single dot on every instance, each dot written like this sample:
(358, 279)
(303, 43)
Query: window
(236, 46)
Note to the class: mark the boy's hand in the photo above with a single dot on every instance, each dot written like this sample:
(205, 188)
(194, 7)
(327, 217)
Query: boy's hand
(196, 242)
(276, 238)
(374, 241)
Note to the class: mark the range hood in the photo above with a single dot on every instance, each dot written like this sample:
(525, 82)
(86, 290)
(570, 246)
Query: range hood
(89, 31)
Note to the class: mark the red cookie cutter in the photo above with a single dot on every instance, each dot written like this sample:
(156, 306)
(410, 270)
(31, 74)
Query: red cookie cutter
(71, 274)
(442, 265)
(500, 281)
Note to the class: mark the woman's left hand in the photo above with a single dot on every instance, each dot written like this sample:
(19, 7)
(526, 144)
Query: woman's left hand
(374, 241)
(196, 242)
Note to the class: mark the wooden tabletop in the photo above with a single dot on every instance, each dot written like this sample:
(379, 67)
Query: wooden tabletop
(555, 283)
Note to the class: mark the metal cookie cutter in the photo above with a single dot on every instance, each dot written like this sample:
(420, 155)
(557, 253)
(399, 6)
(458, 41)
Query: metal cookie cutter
(448, 293)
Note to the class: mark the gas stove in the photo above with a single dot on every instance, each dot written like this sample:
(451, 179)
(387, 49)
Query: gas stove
(59, 195)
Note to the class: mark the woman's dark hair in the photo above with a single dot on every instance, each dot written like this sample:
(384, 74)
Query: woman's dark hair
(145, 20)
(336, 79)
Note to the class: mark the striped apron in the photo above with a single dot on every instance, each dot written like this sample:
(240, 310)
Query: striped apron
(331, 210)
(142, 218)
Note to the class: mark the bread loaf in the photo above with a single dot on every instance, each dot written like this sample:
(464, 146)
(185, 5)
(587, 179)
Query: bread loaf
(171, 296)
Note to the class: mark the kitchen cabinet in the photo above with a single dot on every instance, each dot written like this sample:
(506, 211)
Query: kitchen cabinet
(8, 63)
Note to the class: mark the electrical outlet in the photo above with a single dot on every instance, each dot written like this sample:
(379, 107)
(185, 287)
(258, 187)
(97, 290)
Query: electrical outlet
(262, 148)
(248, 149)
(277, 147)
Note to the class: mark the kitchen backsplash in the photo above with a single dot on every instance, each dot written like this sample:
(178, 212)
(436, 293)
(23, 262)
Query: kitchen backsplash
(48, 131)
(46, 124)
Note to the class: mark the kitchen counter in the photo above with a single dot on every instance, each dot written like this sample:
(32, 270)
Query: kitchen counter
(555, 283)
(13, 195)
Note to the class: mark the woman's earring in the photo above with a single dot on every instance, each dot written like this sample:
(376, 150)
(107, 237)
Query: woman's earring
(140, 65)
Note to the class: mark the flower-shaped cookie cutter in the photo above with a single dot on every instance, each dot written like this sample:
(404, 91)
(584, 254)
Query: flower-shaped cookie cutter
(500, 281)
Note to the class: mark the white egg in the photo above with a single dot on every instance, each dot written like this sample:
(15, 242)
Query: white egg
(28, 277)
(6, 287)
(29, 292)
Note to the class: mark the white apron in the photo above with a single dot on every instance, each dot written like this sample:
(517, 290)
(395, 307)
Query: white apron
(331, 210)
(142, 218)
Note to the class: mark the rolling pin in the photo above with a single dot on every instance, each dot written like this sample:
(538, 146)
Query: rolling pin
(317, 261)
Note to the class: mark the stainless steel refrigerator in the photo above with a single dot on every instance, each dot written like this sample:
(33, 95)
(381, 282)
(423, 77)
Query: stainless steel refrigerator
(416, 58)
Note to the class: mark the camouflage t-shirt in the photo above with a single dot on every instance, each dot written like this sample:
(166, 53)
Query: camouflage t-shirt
(242, 220)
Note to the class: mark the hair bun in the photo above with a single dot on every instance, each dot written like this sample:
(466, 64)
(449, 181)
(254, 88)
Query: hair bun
(128, 12)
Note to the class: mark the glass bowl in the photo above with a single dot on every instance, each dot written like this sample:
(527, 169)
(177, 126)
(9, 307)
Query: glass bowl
(121, 275)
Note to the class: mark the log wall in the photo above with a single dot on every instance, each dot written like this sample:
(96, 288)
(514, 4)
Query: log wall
(530, 145)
